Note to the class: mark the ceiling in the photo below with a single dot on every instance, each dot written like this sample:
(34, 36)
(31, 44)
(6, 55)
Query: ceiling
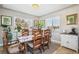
(43, 9)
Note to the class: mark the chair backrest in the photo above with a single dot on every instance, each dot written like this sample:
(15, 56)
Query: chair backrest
(25, 32)
(36, 30)
(14, 48)
(46, 35)
(37, 41)
(5, 40)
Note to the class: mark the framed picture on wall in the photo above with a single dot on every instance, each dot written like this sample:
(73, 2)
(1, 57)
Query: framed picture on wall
(6, 20)
(71, 19)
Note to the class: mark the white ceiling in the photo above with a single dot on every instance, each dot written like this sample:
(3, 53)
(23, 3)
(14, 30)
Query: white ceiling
(42, 10)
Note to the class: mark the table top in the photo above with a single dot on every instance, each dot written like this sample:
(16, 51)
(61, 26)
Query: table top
(25, 38)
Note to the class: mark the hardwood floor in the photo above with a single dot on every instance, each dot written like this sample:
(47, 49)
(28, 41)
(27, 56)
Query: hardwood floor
(54, 49)
(63, 50)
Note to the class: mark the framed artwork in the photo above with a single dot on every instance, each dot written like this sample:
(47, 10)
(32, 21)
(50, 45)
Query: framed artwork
(6, 20)
(71, 19)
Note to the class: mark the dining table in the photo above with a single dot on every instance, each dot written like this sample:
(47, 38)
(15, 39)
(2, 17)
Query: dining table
(23, 40)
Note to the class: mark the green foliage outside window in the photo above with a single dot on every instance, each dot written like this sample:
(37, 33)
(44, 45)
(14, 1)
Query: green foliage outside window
(40, 23)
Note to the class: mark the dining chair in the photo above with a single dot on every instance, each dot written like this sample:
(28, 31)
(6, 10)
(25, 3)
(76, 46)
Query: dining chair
(25, 32)
(5, 41)
(13, 48)
(36, 43)
(19, 47)
(34, 31)
(46, 39)
(22, 48)
(9, 46)
(50, 34)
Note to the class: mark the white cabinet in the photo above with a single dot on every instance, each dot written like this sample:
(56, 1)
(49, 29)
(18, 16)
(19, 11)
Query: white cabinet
(69, 41)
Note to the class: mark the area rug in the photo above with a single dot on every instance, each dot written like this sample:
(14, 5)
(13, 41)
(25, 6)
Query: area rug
(53, 47)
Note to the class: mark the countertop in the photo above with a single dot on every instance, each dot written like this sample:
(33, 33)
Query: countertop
(69, 34)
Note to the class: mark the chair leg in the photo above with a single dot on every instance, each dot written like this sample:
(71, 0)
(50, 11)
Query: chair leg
(48, 45)
(32, 51)
(45, 45)
(43, 48)
(40, 50)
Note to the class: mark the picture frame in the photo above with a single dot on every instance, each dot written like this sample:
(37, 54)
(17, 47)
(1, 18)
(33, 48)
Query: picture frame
(6, 20)
(71, 19)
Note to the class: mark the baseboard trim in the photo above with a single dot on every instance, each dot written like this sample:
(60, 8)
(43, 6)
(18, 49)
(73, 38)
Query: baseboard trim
(56, 41)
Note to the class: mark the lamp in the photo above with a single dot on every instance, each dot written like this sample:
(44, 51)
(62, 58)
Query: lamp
(35, 5)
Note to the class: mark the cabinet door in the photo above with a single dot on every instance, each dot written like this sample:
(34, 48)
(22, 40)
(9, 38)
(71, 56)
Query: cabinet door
(64, 40)
(73, 42)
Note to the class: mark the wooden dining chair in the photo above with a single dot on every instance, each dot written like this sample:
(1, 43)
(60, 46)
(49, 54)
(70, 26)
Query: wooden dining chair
(19, 47)
(50, 34)
(46, 40)
(25, 32)
(9, 47)
(13, 48)
(36, 43)
(22, 48)
(34, 31)
(5, 41)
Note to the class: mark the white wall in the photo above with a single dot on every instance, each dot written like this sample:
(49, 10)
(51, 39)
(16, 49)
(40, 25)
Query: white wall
(63, 23)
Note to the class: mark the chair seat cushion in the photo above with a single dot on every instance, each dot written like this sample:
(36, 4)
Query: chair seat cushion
(13, 48)
(14, 45)
(30, 44)
(46, 42)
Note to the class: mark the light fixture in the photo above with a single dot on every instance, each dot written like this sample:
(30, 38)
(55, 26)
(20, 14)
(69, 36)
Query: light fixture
(35, 5)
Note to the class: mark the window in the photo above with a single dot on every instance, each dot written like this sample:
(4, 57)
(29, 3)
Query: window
(39, 23)
(54, 21)
(48, 22)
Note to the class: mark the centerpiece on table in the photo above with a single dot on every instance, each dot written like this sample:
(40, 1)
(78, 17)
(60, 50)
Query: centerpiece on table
(20, 24)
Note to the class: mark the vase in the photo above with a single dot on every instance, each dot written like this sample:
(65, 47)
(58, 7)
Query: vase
(9, 36)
